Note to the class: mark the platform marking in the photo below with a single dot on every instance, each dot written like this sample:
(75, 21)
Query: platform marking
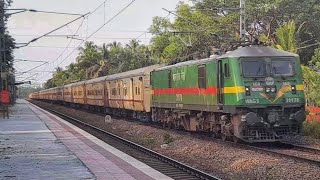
(129, 159)
(24, 132)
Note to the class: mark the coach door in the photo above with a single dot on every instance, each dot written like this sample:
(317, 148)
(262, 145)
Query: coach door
(220, 84)
(132, 91)
(105, 94)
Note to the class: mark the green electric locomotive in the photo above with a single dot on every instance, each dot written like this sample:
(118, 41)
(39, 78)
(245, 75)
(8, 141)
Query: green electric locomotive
(254, 93)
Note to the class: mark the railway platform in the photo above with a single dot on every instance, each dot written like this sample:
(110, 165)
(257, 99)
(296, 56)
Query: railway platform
(35, 144)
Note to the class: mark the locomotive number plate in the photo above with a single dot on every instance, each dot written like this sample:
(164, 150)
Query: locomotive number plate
(252, 101)
(292, 100)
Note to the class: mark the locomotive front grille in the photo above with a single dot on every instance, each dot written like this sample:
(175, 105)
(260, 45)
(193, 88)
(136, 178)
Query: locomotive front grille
(262, 134)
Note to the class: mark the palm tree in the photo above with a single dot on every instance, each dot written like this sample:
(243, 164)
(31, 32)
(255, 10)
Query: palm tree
(287, 37)
(104, 51)
(133, 45)
(89, 55)
(114, 45)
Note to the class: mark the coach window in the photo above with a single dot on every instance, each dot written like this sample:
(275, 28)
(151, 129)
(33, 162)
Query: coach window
(202, 77)
(125, 93)
(226, 70)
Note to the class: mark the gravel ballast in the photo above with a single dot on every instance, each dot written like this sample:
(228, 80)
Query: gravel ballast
(212, 156)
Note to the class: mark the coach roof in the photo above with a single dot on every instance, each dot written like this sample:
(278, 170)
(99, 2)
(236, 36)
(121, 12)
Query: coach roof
(133, 73)
(96, 80)
(78, 83)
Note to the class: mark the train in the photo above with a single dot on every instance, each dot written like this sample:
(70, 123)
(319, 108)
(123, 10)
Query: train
(254, 94)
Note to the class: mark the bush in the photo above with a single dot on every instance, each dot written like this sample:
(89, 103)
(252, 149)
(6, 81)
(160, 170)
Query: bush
(148, 141)
(312, 128)
(167, 139)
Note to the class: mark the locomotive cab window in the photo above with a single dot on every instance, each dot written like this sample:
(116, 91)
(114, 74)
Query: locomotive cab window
(202, 77)
(226, 70)
(282, 68)
(251, 68)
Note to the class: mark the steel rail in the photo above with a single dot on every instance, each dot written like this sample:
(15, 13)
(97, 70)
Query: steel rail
(270, 151)
(198, 174)
(281, 154)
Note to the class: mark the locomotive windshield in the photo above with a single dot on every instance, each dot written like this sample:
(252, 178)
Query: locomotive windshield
(282, 68)
(254, 68)
(262, 67)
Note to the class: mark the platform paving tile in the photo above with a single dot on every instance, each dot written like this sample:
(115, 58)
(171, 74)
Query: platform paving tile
(96, 154)
(29, 150)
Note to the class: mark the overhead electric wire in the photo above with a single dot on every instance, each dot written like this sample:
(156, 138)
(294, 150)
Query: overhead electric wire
(112, 18)
(34, 68)
(30, 77)
(62, 13)
(98, 7)
(67, 45)
(90, 13)
(35, 39)
(145, 32)
(28, 60)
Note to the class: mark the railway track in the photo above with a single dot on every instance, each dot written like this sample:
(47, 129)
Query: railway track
(295, 152)
(291, 151)
(161, 163)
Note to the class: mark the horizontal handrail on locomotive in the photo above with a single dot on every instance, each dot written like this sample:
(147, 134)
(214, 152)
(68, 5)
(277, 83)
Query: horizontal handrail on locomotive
(254, 93)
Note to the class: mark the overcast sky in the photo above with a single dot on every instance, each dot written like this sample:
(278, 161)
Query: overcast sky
(25, 26)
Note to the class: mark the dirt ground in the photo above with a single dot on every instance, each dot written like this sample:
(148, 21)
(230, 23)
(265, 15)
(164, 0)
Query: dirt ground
(212, 156)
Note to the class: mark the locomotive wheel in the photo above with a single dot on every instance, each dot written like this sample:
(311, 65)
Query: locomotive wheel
(223, 137)
(235, 139)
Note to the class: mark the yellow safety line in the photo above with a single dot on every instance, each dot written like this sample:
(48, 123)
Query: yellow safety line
(300, 87)
(234, 90)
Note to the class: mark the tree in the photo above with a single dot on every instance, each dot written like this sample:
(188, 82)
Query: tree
(311, 81)
(95, 61)
(286, 37)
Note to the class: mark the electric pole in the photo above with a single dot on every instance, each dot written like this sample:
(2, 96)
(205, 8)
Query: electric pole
(2, 41)
(242, 20)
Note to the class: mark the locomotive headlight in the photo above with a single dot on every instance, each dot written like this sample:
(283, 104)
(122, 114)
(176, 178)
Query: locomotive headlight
(268, 90)
(273, 90)
(248, 92)
(293, 89)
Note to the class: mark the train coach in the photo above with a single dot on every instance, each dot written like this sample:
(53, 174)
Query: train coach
(254, 93)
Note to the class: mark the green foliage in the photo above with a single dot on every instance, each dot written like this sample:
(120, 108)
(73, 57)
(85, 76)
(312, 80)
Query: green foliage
(311, 81)
(167, 139)
(210, 25)
(213, 25)
(315, 61)
(286, 37)
(148, 141)
(24, 90)
(7, 45)
(95, 61)
(312, 128)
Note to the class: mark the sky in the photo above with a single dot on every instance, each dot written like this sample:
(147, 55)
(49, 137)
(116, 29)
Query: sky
(130, 24)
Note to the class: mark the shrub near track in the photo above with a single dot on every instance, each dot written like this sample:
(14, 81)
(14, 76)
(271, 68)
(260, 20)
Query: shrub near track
(312, 128)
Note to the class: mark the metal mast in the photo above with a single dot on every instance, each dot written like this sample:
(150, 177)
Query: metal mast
(242, 21)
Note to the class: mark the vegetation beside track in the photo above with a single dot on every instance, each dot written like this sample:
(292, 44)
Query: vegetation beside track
(312, 129)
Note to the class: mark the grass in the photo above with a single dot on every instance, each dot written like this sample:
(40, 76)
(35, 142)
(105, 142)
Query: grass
(312, 129)
(167, 138)
(148, 141)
